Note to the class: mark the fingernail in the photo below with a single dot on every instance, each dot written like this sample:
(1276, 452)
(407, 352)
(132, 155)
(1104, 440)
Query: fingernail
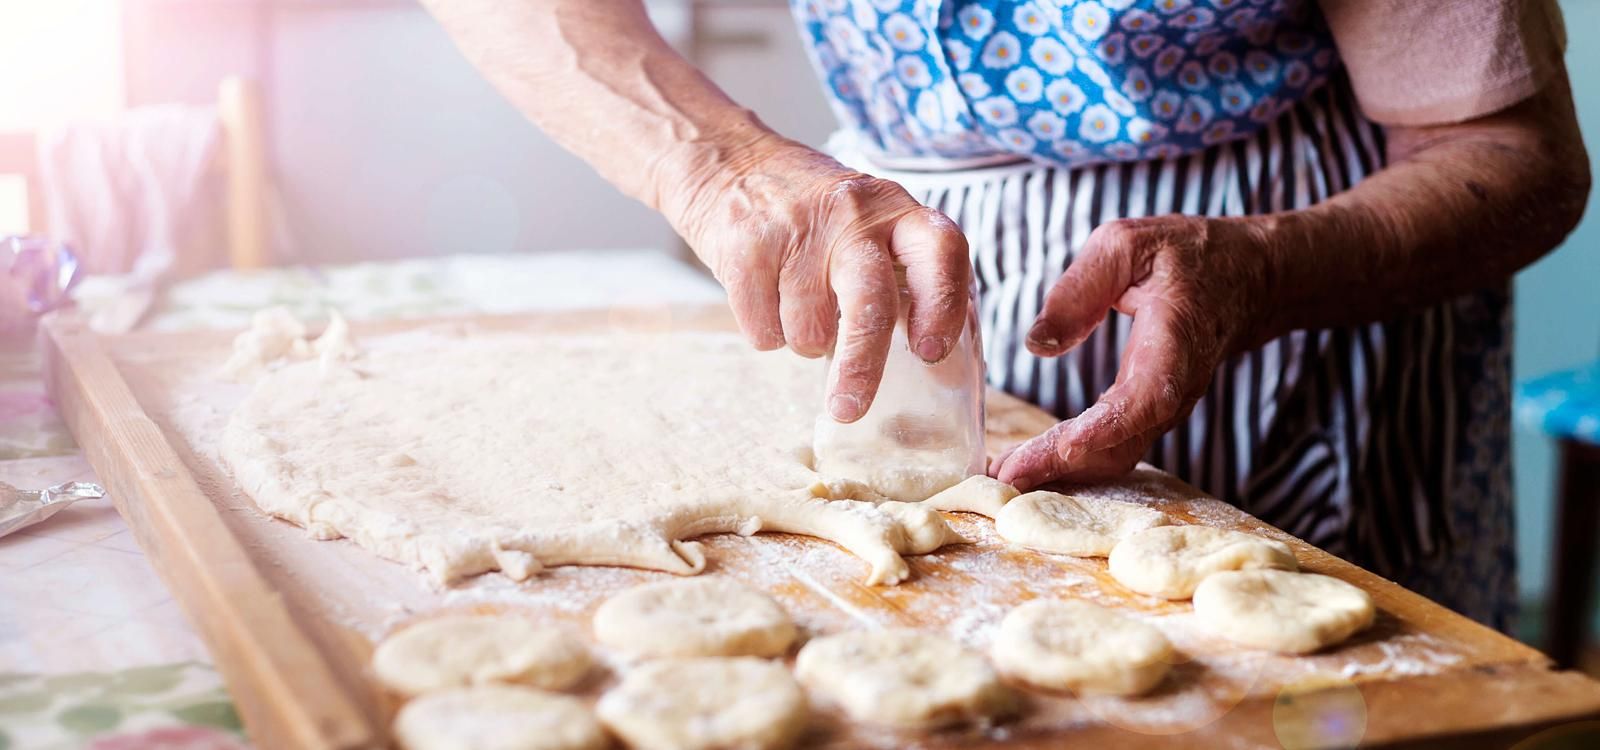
(844, 407)
(1043, 337)
(933, 348)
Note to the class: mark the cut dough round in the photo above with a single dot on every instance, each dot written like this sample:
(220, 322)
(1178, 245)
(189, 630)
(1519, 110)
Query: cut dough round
(903, 678)
(497, 717)
(1169, 561)
(452, 650)
(1077, 526)
(688, 704)
(705, 616)
(1071, 645)
(975, 494)
(1293, 613)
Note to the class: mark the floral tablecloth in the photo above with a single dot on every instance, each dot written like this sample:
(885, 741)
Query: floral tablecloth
(93, 652)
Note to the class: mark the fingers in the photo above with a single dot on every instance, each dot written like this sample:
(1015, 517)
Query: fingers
(1107, 439)
(1038, 461)
(806, 307)
(1080, 299)
(863, 281)
(1033, 462)
(1150, 392)
(750, 276)
(938, 274)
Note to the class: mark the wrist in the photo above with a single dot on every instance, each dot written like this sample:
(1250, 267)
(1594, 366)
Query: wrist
(705, 160)
(1268, 238)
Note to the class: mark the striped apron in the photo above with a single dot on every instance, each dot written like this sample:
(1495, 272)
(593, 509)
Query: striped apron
(1386, 444)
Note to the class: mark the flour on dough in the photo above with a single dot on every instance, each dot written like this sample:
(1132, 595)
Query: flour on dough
(1077, 526)
(497, 717)
(452, 650)
(904, 678)
(975, 494)
(1073, 645)
(462, 453)
(1170, 561)
(708, 616)
(706, 704)
(1292, 613)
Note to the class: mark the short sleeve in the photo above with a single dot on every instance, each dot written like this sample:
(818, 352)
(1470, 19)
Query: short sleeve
(1433, 62)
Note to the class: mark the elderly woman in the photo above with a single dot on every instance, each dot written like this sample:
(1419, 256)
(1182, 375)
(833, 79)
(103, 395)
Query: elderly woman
(1263, 244)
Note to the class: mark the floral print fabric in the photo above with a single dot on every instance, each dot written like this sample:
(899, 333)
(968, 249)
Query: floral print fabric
(1068, 82)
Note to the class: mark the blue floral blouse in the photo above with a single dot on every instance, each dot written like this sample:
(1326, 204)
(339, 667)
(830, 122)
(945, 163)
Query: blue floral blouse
(1069, 82)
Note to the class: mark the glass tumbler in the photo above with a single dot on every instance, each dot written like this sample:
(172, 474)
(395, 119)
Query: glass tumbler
(924, 430)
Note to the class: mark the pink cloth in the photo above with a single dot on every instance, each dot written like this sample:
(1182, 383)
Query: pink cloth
(133, 194)
(1433, 62)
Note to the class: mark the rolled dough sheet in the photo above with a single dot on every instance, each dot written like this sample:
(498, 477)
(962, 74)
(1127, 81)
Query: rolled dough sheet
(465, 453)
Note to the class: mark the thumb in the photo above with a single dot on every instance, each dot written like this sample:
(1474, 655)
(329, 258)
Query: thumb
(1080, 299)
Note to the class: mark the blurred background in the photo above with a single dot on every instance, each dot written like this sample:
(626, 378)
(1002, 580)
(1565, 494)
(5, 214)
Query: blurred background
(379, 142)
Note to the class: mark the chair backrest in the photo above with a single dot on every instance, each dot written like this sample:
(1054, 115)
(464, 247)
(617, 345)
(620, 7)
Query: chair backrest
(242, 159)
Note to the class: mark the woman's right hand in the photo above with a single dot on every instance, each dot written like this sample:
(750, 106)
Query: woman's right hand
(806, 249)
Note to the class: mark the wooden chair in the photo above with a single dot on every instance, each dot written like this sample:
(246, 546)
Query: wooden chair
(241, 159)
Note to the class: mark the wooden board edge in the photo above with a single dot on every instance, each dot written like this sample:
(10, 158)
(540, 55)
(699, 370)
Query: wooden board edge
(280, 682)
(1449, 711)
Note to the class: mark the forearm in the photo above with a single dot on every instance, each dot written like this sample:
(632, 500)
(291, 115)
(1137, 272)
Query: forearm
(1458, 208)
(599, 80)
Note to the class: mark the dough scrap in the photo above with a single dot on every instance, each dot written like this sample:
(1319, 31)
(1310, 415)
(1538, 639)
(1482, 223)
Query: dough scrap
(979, 494)
(1292, 613)
(1170, 561)
(1077, 526)
(464, 453)
(275, 333)
(1073, 645)
(710, 616)
(690, 704)
(454, 650)
(497, 717)
(904, 678)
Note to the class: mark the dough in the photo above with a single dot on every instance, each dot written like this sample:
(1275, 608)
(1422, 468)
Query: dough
(463, 453)
(711, 616)
(1169, 561)
(497, 717)
(1077, 526)
(975, 494)
(453, 650)
(689, 704)
(1072, 645)
(275, 333)
(903, 678)
(1293, 613)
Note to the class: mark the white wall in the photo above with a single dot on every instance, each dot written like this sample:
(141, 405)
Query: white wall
(388, 144)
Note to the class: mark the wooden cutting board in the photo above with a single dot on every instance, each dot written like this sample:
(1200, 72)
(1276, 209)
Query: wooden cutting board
(291, 621)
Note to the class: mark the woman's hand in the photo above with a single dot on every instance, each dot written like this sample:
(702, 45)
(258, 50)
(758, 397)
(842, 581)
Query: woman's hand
(806, 249)
(1196, 288)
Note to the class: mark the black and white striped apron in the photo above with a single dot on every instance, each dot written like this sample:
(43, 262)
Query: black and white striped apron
(1385, 443)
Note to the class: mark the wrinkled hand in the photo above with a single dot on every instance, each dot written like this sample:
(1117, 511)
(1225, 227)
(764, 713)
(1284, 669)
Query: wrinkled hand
(1195, 288)
(806, 249)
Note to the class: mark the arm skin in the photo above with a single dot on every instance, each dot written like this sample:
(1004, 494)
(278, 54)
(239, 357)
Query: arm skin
(805, 247)
(1458, 208)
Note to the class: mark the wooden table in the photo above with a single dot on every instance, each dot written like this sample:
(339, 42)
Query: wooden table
(291, 621)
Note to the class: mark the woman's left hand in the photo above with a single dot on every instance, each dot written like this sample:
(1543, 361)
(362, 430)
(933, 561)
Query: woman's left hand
(1197, 290)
